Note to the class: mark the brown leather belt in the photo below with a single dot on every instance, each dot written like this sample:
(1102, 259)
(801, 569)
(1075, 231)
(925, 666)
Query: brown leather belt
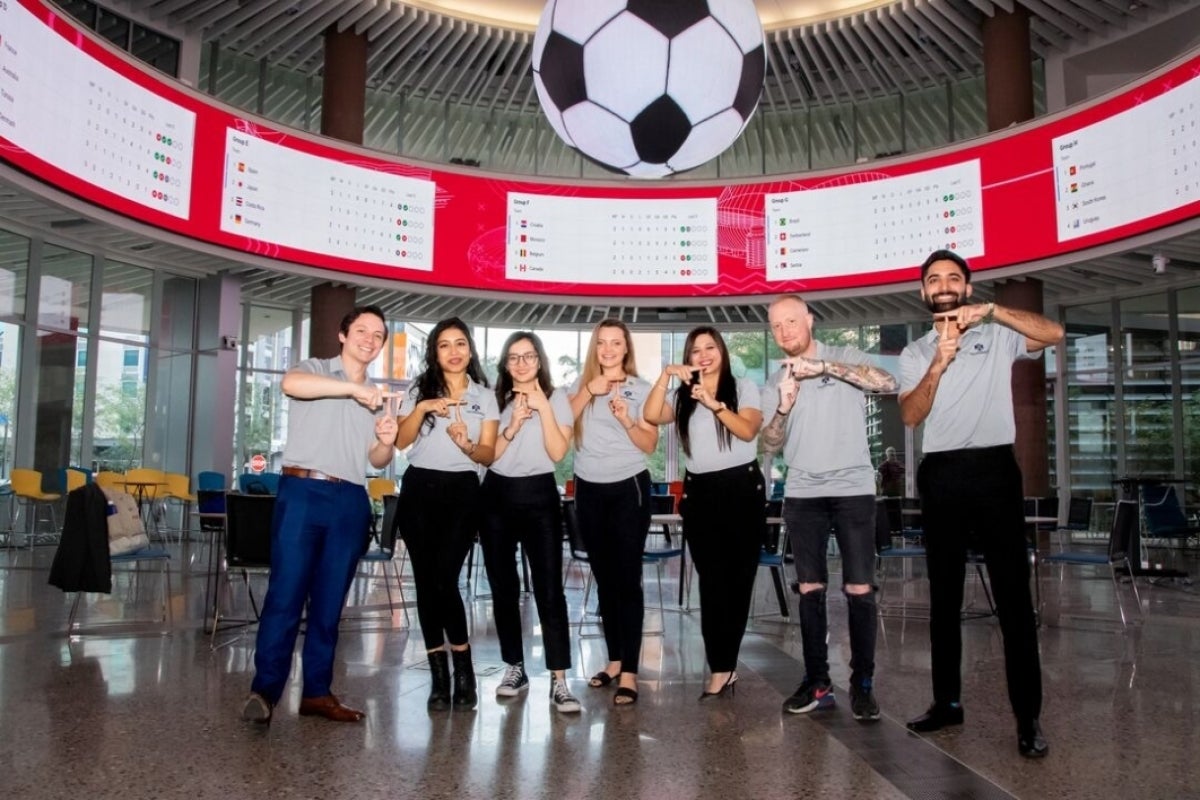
(311, 474)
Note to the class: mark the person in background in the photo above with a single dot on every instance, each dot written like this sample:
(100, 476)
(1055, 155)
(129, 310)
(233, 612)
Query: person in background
(891, 474)
(521, 506)
(957, 379)
(717, 418)
(337, 424)
(450, 419)
(819, 423)
(612, 494)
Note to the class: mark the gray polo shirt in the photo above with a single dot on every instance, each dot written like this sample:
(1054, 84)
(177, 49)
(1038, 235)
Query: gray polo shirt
(526, 454)
(707, 454)
(973, 406)
(825, 448)
(333, 435)
(607, 454)
(433, 448)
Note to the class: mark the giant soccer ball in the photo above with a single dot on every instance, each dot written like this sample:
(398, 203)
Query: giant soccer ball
(649, 87)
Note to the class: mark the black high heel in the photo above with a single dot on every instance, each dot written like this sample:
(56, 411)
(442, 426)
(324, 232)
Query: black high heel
(729, 687)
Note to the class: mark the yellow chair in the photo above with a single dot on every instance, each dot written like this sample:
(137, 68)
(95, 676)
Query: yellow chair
(27, 491)
(380, 488)
(75, 478)
(107, 479)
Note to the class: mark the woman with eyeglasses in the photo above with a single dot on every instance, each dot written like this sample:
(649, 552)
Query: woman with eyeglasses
(612, 495)
(450, 419)
(521, 506)
(717, 418)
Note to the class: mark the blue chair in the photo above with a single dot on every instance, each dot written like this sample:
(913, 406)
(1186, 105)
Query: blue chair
(382, 554)
(209, 481)
(259, 483)
(774, 554)
(1117, 555)
(1164, 516)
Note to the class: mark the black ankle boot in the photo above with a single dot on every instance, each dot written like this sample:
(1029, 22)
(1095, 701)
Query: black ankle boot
(439, 688)
(465, 698)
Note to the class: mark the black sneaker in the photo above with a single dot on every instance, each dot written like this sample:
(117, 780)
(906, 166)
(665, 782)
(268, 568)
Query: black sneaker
(809, 696)
(514, 681)
(862, 702)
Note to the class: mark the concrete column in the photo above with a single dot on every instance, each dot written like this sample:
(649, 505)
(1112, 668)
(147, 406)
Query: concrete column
(344, 91)
(219, 327)
(1007, 67)
(1008, 85)
(343, 104)
(1029, 394)
(329, 304)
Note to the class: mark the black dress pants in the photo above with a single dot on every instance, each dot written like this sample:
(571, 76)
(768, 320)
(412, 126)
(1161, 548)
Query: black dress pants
(973, 498)
(614, 519)
(724, 521)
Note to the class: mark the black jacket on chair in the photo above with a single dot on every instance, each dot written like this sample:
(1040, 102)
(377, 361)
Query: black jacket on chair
(81, 562)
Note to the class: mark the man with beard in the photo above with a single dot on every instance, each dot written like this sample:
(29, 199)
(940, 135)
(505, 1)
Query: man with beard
(819, 424)
(957, 379)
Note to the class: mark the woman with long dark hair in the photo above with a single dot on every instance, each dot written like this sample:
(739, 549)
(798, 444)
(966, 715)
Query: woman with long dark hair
(717, 418)
(521, 506)
(612, 494)
(450, 419)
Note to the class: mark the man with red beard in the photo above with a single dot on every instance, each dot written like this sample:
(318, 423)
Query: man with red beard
(957, 379)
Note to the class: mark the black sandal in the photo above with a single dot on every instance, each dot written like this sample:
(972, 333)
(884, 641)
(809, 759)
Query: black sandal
(625, 696)
(600, 680)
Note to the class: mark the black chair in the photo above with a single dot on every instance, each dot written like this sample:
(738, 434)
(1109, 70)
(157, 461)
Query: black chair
(247, 550)
(577, 554)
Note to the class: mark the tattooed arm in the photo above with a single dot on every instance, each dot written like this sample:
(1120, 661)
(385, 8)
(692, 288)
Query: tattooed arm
(867, 377)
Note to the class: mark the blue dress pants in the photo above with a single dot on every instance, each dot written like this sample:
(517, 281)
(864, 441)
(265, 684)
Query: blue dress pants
(318, 534)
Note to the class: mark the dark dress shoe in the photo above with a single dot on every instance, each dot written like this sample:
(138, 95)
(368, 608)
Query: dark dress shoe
(1030, 741)
(935, 718)
(330, 708)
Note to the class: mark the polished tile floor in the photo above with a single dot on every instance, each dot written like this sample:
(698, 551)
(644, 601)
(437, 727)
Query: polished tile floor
(138, 713)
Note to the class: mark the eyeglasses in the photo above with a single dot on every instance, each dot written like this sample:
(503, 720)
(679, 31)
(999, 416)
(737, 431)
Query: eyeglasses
(528, 358)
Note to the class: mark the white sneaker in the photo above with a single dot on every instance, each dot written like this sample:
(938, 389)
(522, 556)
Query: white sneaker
(514, 682)
(561, 697)
(256, 709)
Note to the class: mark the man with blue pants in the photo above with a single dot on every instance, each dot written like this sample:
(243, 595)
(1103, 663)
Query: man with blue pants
(338, 421)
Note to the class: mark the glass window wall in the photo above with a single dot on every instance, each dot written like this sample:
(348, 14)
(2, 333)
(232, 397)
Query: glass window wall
(14, 271)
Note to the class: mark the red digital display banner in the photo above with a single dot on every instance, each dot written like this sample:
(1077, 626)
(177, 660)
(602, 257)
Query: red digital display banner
(83, 119)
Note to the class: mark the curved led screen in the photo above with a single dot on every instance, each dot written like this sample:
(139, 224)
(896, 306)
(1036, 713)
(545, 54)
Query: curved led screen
(81, 118)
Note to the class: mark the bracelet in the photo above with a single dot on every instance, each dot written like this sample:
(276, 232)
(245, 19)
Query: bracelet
(991, 313)
(719, 410)
(781, 413)
(506, 438)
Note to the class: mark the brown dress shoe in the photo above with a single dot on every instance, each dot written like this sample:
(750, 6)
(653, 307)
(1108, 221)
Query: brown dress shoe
(330, 708)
